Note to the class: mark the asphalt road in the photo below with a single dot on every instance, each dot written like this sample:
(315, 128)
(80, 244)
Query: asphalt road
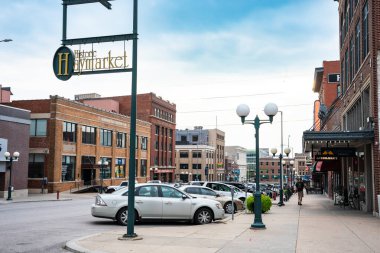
(47, 226)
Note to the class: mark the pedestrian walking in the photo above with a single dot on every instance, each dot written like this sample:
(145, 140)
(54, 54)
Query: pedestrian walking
(299, 186)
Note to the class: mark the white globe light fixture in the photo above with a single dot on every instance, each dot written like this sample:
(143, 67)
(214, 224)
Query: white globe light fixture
(242, 111)
(271, 110)
(273, 151)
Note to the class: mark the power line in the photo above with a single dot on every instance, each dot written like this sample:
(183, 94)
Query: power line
(226, 110)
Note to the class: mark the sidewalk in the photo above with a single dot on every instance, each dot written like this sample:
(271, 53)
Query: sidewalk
(316, 226)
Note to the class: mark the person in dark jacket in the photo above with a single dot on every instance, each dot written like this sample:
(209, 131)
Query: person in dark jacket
(299, 186)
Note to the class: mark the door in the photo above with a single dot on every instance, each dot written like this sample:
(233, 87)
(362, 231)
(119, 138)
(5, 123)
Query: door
(174, 206)
(148, 203)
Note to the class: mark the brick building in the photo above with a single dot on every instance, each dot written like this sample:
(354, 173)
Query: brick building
(347, 147)
(68, 139)
(193, 162)
(162, 116)
(14, 136)
(210, 137)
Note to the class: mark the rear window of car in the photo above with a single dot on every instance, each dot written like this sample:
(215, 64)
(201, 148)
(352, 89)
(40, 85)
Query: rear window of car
(192, 190)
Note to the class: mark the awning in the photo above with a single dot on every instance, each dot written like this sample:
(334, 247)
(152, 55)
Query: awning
(315, 140)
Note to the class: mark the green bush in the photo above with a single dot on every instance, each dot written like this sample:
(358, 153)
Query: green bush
(266, 203)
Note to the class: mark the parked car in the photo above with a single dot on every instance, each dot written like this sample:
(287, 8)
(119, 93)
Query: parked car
(225, 190)
(158, 202)
(239, 185)
(113, 188)
(204, 192)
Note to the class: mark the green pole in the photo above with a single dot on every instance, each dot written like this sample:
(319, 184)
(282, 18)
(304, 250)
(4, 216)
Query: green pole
(132, 154)
(258, 223)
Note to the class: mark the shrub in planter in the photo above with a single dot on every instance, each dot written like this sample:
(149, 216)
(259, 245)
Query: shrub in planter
(266, 203)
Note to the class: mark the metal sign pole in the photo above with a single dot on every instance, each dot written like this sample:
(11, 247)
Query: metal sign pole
(132, 160)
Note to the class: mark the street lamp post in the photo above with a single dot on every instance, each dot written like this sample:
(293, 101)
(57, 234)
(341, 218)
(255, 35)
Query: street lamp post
(11, 159)
(282, 162)
(243, 111)
(102, 164)
(293, 171)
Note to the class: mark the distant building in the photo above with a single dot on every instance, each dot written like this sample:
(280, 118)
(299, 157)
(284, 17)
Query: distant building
(5, 94)
(251, 164)
(194, 162)
(239, 159)
(210, 137)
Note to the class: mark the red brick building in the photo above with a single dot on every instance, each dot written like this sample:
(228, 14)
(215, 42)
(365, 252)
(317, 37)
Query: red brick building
(162, 116)
(68, 139)
(347, 147)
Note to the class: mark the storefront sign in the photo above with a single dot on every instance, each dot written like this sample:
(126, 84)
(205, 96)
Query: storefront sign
(91, 61)
(325, 158)
(339, 152)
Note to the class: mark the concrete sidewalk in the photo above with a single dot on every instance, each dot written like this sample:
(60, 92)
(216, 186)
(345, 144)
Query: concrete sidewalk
(316, 226)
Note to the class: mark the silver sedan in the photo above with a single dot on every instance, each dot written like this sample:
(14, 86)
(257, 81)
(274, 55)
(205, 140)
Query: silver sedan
(159, 202)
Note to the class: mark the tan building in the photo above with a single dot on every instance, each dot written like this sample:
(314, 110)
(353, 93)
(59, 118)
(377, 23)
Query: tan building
(193, 162)
(68, 139)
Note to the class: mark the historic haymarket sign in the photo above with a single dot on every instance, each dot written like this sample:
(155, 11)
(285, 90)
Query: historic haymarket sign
(90, 61)
(80, 62)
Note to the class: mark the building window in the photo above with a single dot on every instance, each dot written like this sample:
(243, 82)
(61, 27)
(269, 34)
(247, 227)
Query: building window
(105, 171)
(197, 154)
(197, 166)
(36, 166)
(357, 47)
(88, 135)
(120, 168)
(171, 133)
(69, 131)
(365, 30)
(346, 64)
(194, 138)
(352, 50)
(183, 154)
(121, 140)
(143, 167)
(105, 137)
(38, 127)
(156, 146)
(68, 168)
(144, 143)
(184, 166)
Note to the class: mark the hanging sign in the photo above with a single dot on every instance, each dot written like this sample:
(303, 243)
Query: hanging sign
(63, 63)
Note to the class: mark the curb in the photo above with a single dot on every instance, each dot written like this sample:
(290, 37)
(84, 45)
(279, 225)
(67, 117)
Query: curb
(25, 201)
(72, 245)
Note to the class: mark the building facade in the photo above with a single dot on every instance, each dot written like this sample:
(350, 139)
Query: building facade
(346, 145)
(209, 137)
(239, 158)
(69, 139)
(14, 136)
(162, 116)
(193, 162)
(251, 164)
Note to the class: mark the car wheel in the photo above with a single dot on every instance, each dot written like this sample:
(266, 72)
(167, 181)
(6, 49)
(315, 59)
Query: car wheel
(203, 216)
(122, 216)
(228, 207)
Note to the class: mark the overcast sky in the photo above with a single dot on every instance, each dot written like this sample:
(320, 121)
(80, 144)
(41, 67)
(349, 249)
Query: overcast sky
(206, 56)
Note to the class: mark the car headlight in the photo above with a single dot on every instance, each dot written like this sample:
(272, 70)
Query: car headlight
(99, 201)
(218, 205)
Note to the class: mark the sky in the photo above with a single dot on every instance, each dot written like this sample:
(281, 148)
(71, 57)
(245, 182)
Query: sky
(206, 56)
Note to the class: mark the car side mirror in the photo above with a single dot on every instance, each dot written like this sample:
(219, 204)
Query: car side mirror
(184, 196)
(217, 195)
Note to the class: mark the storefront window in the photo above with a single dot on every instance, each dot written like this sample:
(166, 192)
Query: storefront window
(120, 168)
